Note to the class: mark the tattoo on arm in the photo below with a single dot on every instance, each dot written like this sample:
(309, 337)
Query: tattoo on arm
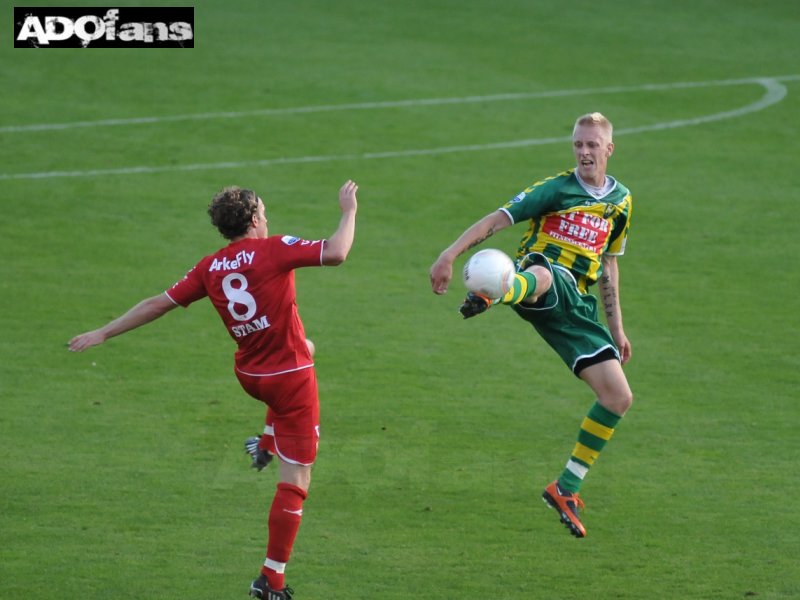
(609, 296)
(482, 239)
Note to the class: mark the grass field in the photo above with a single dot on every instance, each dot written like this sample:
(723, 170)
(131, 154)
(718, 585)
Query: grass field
(121, 469)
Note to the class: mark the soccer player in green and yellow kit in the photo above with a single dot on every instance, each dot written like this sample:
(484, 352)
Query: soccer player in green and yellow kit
(578, 224)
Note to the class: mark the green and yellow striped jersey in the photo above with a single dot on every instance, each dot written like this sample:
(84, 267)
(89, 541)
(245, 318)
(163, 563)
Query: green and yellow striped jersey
(571, 227)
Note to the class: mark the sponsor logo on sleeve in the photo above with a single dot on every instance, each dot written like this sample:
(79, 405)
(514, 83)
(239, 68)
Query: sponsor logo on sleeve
(290, 239)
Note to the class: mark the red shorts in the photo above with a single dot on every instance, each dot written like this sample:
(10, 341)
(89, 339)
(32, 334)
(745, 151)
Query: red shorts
(293, 414)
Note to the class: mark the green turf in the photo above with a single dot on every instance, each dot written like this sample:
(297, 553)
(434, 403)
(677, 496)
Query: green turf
(121, 470)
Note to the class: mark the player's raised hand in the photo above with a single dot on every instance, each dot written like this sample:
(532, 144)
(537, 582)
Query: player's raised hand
(338, 245)
(347, 196)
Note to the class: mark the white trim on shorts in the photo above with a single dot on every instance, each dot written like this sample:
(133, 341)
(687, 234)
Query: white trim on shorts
(585, 356)
(270, 431)
(273, 374)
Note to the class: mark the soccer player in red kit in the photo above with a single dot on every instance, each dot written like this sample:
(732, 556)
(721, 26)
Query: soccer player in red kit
(250, 282)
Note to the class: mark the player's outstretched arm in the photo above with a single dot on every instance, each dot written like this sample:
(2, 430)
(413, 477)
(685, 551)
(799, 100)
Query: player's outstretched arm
(442, 270)
(338, 245)
(147, 310)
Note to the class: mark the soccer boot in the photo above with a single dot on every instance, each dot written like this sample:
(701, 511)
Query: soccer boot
(567, 505)
(260, 589)
(474, 304)
(261, 458)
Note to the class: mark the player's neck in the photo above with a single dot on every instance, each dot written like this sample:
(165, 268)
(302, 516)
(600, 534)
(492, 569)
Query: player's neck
(598, 180)
(598, 191)
(252, 234)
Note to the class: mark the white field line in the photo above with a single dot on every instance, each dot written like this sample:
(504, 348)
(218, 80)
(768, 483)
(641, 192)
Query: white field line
(774, 93)
(267, 112)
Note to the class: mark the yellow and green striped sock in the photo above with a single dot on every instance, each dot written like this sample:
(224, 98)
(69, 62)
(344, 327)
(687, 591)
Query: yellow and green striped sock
(524, 285)
(596, 429)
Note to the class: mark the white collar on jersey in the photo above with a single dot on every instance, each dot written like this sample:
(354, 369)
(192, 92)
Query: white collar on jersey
(594, 191)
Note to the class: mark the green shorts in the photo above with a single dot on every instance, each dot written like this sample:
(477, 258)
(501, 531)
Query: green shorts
(568, 321)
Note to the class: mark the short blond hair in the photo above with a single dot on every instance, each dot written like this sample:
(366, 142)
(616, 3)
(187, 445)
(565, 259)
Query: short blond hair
(596, 119)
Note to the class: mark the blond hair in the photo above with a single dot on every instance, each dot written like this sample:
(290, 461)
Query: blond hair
(595, 119)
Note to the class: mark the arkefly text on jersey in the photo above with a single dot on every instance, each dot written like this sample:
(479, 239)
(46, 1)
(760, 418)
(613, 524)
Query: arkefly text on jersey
(226, 264)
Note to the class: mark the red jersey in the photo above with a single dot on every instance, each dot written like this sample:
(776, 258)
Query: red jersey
(251, 284)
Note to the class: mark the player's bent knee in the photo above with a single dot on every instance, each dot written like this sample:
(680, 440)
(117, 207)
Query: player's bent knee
(544, 279)
(626, 401)
(618, 403)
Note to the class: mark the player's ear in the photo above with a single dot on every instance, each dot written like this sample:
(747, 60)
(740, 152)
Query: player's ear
(610, 148)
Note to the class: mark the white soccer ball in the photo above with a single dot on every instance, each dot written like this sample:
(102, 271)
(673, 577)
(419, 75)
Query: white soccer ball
(490, 273)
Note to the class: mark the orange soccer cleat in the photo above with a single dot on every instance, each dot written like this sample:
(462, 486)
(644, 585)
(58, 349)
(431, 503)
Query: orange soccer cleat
(567, 505)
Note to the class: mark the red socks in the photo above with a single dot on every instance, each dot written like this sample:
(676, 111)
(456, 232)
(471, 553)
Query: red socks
(284, 521)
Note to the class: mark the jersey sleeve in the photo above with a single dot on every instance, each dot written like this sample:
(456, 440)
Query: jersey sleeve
(619, 233)
(293, 252)
(189, 289)
(532, 202)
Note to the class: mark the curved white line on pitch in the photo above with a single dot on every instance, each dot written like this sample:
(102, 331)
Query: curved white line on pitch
(774, 93)
(267, 112)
